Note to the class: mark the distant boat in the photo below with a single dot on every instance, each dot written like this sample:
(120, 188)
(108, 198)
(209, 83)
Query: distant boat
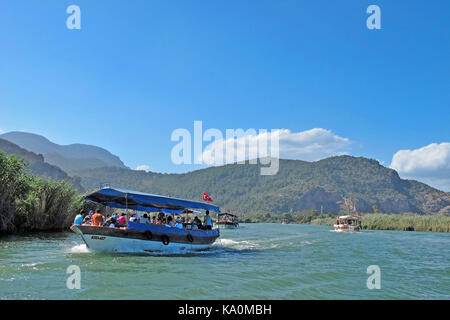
(349, 223)
(227, 221)
(139, 237)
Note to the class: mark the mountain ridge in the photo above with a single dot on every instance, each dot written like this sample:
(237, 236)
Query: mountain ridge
(326, 184)
(299, 185)
(70, 157)
(37, 166)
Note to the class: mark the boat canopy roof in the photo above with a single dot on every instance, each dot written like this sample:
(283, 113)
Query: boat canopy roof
(227, 214)
(128, 199)
(349, 217)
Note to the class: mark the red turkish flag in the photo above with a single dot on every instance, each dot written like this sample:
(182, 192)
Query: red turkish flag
(206, 197)
(228, 211)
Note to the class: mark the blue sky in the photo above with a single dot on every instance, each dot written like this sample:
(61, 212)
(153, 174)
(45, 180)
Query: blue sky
(138, 70)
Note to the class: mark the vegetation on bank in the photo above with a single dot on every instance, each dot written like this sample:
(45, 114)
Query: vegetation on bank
(370, 221)
(31, 203)
(404, 222)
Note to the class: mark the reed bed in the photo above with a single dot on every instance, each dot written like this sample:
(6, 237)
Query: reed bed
(403, 222)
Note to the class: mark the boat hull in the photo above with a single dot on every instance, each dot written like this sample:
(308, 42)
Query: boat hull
(346, 228)
(227, 225)
(146, 239)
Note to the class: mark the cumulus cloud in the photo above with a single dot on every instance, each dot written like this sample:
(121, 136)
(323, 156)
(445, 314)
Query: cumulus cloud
(143, 167)
(430, 164)
(310, 145)
(1, 131)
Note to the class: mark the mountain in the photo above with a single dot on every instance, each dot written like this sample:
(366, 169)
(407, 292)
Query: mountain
(69, 158)
(38, 166)
(299, 185)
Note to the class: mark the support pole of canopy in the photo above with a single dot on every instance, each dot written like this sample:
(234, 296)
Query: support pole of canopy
(126, 206)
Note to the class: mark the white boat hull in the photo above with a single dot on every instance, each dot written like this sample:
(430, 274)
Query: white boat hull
(127, 241)
(101, 243)
(346, 228)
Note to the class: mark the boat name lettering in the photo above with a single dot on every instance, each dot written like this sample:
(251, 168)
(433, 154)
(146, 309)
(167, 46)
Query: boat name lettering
(98, 238)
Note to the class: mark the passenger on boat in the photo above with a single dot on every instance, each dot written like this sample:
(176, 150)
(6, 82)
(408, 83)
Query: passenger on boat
(154, 219)
(144, 219)
(97, 219)
(161, 218)
(112, 223)
(197, 223)
(86, 221)
(122, 220)
(134, 218)
(79, 218)
(170, 222)
(107, 220)
(179, 223)
(207, 221)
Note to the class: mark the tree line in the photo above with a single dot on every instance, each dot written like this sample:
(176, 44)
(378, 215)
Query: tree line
(32, 203)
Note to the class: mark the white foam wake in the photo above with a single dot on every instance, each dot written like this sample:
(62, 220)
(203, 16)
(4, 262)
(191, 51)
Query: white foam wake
(81, 248)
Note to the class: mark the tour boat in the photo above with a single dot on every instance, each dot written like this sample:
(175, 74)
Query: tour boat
(146, 238)
(349, 223)
(227, 221)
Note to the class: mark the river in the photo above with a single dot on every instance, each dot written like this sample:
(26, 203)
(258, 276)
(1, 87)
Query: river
(256, 261)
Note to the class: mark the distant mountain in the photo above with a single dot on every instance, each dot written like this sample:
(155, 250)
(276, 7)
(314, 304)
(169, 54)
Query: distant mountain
(298, 186)
(38, 166)
(70, 158)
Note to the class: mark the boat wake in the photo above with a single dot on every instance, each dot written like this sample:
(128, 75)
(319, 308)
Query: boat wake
(81, 248)
(240, 245)
(220, 246)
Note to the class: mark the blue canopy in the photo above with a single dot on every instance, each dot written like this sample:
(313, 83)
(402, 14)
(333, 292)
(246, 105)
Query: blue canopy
(127, 199)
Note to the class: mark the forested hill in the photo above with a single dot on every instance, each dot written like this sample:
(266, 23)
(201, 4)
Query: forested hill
(298, 186)
(36, 164)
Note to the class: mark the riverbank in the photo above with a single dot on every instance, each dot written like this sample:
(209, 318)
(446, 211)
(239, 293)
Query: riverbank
(370, 221)
(401, 222)
(30, 203)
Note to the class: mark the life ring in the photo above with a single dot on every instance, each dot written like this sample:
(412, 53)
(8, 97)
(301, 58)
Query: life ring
(165, 239)
(190, 237)
(148, 234)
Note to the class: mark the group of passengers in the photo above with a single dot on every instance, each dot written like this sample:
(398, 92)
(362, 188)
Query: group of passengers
(117, 221)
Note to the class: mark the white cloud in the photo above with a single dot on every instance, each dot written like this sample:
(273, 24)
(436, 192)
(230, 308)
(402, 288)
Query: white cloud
(1, 131)
(430, 164)
(310, 145)
(143, 167)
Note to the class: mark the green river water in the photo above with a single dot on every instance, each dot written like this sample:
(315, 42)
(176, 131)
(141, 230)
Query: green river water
(257, 261)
